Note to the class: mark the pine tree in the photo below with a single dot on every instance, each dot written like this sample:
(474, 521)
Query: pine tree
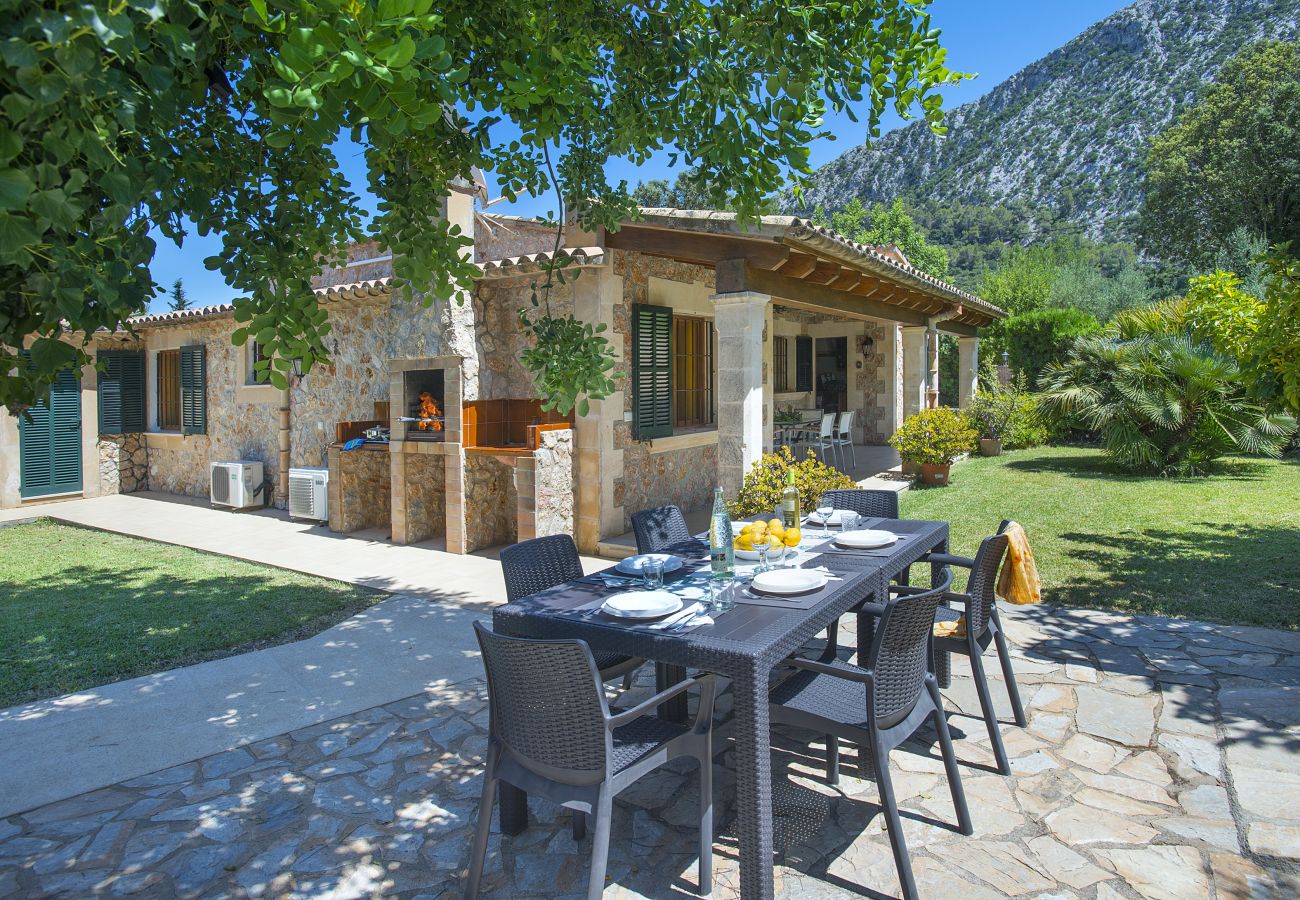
(179, 301)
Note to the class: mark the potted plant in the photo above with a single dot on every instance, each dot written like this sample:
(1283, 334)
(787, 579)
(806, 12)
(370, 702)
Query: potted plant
(933, 439)
(992, 410)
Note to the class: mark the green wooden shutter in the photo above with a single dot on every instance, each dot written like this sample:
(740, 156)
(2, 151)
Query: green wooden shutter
(652, 371)
(121, 391)
(803, 363)
(49, 439)
(194, 390)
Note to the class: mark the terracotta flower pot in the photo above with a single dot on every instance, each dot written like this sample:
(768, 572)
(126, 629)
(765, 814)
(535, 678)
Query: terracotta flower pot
(990, 447)
(911, 469)
(935, 474)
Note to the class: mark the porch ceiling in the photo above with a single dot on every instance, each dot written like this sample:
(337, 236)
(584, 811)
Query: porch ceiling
(804, 266)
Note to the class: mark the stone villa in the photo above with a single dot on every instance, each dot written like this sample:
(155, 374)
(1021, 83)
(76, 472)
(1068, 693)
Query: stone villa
(716, 325)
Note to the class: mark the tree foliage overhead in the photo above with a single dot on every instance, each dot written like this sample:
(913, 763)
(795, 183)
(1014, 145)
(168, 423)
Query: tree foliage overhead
(883, 225)
(1231, 162)
(120, 118)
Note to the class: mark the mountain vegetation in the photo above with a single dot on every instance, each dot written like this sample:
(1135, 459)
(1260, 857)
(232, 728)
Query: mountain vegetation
(1059, 145)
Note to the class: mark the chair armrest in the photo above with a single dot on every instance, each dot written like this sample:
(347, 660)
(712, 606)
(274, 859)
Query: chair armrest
(907, 590)
(954, 597)
(815, 666)
(646, 706)
(948, 559)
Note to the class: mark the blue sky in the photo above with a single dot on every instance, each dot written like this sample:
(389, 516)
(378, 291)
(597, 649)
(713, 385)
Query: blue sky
(993, 38)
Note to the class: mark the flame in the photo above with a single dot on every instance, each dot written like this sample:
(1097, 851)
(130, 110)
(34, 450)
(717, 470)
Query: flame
(429, 410)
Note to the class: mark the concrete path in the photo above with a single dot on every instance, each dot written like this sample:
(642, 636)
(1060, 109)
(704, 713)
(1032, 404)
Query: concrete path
(411, 643)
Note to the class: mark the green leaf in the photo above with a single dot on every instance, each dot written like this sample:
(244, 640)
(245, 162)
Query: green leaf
(15, 188)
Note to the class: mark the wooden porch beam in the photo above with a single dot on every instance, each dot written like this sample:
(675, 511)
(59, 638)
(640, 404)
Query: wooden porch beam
(848, 280)
(819, 298)
(699, 248)
(824, 272)
(798, 265)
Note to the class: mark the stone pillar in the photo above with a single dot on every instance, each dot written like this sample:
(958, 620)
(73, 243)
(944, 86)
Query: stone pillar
(932, 359)
(968, 356)
(739, 318)
(914, 369)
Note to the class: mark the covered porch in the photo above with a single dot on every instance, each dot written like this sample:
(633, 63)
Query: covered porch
(806, 319)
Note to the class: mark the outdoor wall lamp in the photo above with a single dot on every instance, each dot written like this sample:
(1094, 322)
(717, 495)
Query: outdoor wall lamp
(866, 343)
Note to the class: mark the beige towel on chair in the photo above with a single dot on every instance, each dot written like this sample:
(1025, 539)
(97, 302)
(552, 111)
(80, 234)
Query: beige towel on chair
(1019, 582)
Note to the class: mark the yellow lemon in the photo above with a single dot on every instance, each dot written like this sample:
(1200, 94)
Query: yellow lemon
(775, 542)
(792, 537)
(775, 525)
(744, 543)
(747, 529)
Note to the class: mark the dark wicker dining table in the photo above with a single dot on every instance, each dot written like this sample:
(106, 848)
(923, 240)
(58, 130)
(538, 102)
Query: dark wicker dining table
(742, 645)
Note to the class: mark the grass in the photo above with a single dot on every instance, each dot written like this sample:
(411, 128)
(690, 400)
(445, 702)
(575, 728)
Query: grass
(1224, 548)
(82, 608)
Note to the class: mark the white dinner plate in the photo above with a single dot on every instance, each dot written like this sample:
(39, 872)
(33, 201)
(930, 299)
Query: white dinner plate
(642, 604)
(633, 564)
(867, 539)
(835, 517)
(788, 581)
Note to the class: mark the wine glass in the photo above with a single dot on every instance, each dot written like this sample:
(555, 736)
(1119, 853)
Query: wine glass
(824, 513)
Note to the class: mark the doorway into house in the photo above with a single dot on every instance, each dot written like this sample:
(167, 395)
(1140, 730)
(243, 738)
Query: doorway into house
(832, 374)
(49, 441)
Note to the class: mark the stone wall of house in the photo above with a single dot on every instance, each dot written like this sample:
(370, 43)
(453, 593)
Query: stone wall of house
(683, 477)
(123, 463)
(360, 489)
(425, 492)
(499, 340)
(491, 502)
(873, 379)
(553, 484)
(237, 429)
(364, 336)
(330, 277)
(497, 237)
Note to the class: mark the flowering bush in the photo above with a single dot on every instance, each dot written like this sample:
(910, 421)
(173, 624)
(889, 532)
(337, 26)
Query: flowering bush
(761, 492)
(934, 437)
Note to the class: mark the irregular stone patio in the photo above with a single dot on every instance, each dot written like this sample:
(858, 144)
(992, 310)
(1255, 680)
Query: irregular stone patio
(1160, 760)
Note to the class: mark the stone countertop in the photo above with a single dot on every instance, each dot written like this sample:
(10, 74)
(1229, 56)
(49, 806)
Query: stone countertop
(373, 446)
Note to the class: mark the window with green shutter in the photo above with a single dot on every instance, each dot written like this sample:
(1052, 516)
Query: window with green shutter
(194, 390)
(652, 371)
(803, 363)
(121, 391)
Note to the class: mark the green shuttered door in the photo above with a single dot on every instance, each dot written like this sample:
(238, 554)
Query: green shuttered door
(652, 371)
(121, 391)
(49, 441)
(194, 390)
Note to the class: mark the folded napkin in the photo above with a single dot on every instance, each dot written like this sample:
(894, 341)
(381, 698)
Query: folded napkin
(1019, 582)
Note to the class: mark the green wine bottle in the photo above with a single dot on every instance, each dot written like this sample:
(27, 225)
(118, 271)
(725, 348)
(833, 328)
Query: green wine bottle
(790, 503)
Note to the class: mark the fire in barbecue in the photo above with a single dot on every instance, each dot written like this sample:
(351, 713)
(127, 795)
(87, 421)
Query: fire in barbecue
(430, 414)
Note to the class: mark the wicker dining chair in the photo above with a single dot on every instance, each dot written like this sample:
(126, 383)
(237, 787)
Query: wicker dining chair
(659, 528)
(544, 562)
(552, 733)
(864, 502)
(879, 705)
(983, 627)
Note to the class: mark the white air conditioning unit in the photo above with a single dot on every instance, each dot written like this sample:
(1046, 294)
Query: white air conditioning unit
(236, 484)
(309, 493)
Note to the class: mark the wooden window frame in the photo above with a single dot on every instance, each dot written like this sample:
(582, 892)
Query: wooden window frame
(694, 368)
(168, 381)
(781, 364)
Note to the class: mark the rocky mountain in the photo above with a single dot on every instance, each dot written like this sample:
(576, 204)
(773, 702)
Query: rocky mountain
(1068, 133)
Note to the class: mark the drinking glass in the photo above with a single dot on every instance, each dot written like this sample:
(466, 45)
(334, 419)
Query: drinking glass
(722, 595)
(825, 513)
(652, 573)
(849, 521)
(763, 549)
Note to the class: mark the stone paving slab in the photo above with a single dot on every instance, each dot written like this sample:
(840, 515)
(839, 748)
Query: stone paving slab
(1181, 795)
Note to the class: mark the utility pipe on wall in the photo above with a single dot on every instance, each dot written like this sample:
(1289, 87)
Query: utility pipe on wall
(282, 487)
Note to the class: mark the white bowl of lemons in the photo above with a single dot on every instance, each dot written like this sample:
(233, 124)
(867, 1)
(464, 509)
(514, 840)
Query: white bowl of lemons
(778, 538)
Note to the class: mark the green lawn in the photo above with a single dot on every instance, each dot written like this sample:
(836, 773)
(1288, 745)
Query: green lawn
(81, 608)
(1225, 548)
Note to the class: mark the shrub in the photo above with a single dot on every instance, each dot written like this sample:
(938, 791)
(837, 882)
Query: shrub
(764, 482)
(1008, 413)
(1043, 336)
(934, 437)
(1162, 404)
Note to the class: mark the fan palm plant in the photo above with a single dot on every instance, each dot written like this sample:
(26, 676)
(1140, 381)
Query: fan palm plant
(1162, 403)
